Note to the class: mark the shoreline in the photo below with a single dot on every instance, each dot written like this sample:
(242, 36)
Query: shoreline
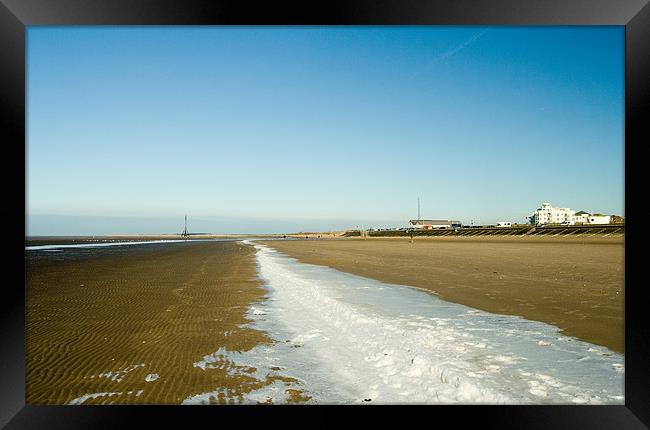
(360, 340)
(575, 284)
(63, 240)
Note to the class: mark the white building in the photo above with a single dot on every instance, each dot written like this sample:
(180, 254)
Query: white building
(581, 217)
(506, 224)
(599, 219)
(547, 214)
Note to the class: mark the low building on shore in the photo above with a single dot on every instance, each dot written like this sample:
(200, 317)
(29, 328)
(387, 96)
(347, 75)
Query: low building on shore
(430, 224)
(617, 219)
(581, 217)
(599, 219)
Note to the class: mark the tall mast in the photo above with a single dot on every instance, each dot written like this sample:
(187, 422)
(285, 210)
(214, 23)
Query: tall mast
(418, 209)
(185, 233)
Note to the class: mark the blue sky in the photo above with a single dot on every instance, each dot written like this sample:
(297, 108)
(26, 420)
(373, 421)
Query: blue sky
(277, 129)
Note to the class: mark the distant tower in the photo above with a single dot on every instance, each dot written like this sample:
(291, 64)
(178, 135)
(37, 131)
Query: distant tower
(185, 233)
(418, 209)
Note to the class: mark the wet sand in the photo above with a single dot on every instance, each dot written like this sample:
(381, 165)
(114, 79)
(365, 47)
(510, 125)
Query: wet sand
(76, 240)
(109, 320)
(575, 284)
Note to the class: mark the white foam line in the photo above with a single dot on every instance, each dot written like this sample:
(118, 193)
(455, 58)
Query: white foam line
(354, 339)
(96, 245)
(80, 400)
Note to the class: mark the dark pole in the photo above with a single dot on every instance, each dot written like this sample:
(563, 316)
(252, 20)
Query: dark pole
(185, 233)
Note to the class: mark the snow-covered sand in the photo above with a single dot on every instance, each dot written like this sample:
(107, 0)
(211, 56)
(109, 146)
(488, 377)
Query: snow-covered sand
(349, 339)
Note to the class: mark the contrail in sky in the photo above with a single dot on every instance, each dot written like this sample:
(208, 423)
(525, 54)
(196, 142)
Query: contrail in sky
(451, 52)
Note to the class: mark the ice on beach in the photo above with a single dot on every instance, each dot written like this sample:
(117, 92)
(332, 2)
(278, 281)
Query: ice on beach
(118, 375)
(275, 392)
(151, 377)
(257, 311)
(262, 363)
(82, 399)
(347, 339)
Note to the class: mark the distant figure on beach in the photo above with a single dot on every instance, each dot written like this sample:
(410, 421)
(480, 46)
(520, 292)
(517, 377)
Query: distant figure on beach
(284, 237)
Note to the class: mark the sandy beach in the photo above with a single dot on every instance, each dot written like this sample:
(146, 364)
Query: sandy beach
(126, 325)
(214, 322)
(576, 284)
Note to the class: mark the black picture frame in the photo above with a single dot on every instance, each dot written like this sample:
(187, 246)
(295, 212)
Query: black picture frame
(16, 15)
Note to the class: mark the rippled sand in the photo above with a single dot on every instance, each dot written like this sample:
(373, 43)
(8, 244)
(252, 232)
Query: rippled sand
(128, 326)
